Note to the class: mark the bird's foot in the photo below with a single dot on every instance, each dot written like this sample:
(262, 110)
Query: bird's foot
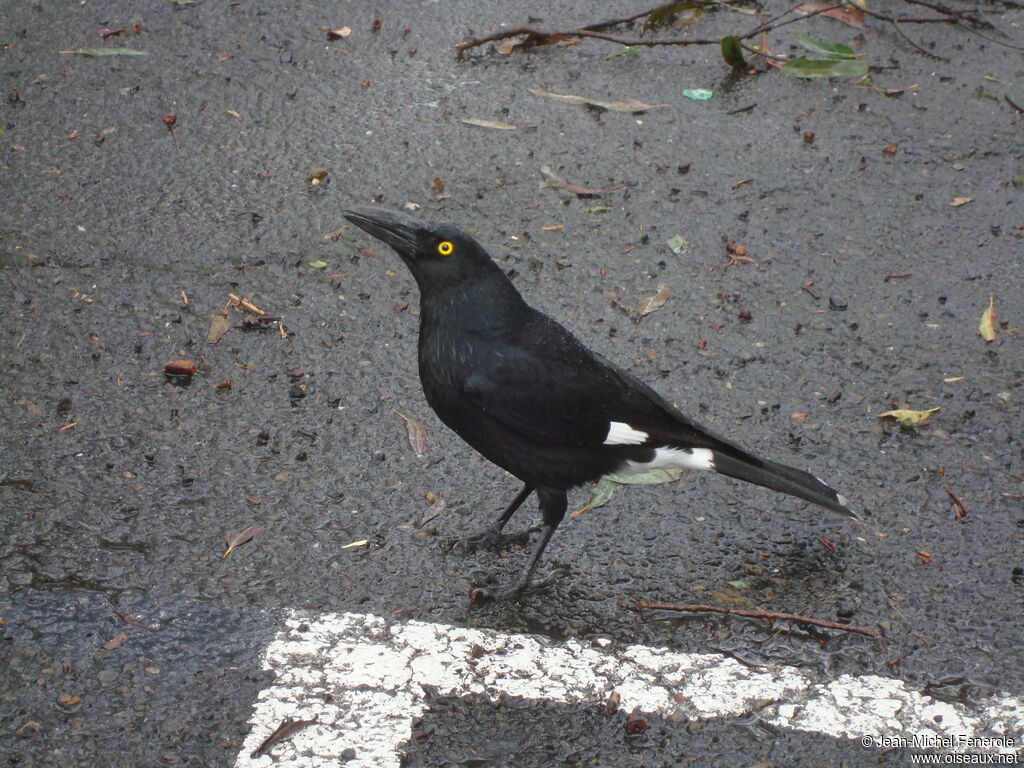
(481, 591)
(490, 538)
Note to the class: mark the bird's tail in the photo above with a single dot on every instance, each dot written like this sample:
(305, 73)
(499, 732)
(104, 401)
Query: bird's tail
(779, 477)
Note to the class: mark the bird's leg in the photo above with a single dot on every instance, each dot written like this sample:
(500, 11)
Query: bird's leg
(492, 534)
(552, 506)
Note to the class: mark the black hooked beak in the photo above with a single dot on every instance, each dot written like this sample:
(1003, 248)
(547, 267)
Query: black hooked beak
(396, 229)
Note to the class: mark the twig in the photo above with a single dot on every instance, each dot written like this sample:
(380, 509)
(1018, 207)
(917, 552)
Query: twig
(539, 34)
(592, 30)
(768, 616)
(287, 727)
(133, 622)
(959, 508)
(925, 51)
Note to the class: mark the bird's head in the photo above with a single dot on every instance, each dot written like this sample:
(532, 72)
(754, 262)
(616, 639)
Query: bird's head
(437, 254)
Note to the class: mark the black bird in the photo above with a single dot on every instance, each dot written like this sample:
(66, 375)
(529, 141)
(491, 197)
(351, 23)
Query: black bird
(524, 392)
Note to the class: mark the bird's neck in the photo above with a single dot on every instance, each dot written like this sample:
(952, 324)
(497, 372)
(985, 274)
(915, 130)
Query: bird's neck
(479, 308)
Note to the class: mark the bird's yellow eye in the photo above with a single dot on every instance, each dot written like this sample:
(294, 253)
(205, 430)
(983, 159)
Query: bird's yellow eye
(445, 247)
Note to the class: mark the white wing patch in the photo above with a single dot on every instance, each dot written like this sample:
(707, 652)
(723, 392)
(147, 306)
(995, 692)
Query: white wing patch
(620, 433)
(675, 458)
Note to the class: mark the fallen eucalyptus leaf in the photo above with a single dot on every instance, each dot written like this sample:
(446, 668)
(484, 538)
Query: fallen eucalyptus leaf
(650, 477)
(600, 495)
(552, 179)
(907, 418)
(235, 540)
(804, 67)
(604, 488)
(653, 303)
(987, 326)
(434, 510)
(416, 432)
(621, 105)
(106, 52)
(360, 543)
(495, 124)
(219, 325)
(830, 50)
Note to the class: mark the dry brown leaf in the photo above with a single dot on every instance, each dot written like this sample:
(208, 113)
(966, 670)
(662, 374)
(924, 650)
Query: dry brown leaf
(115, 642)
(552, 179)
(179, 367)
(434, 510)
(655, 302)
(287, 727)
(416, 432)
(958, 201)
(620, 105)
(847, 14)
(337, 34)
(219, 325)
(987, 326)
(495, 124)
(238, 539)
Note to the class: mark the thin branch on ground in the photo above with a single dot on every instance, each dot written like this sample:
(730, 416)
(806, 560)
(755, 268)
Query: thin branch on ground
(538, 35)
(592, 30)
(768, 616)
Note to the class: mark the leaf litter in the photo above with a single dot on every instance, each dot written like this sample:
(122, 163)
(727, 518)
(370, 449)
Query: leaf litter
(907, 418)
(552, 179)
(416, 433)
(105, 52)
(236, 540)
(495, 124)
(620, 105)
(987, 326)
(653, 303)
(604, 488)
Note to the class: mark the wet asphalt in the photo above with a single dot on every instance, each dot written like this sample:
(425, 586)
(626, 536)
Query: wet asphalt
(861, 290)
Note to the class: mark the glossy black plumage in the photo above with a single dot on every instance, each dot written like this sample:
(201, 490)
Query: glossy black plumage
(525, 393)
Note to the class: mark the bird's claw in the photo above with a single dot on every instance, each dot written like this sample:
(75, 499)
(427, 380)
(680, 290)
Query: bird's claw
(480, 593)
(491, 538)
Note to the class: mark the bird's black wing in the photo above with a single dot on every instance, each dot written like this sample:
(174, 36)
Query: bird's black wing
(545, 385)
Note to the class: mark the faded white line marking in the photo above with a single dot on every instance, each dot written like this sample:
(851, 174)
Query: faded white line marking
(362, 678)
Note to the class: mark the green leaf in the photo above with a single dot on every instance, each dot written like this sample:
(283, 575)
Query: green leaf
(106, 52)
(738, 584)
(650, 477)
(677, 243)
(627, 51)
(604, 488)
(660, 14)
(318, 264)
(698, 94)
(732, 52)
(597, 209)
(907, 418)
(602, 493)
(830, 50)
(804, 67)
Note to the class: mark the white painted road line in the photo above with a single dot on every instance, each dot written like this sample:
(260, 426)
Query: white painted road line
(362, 679)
